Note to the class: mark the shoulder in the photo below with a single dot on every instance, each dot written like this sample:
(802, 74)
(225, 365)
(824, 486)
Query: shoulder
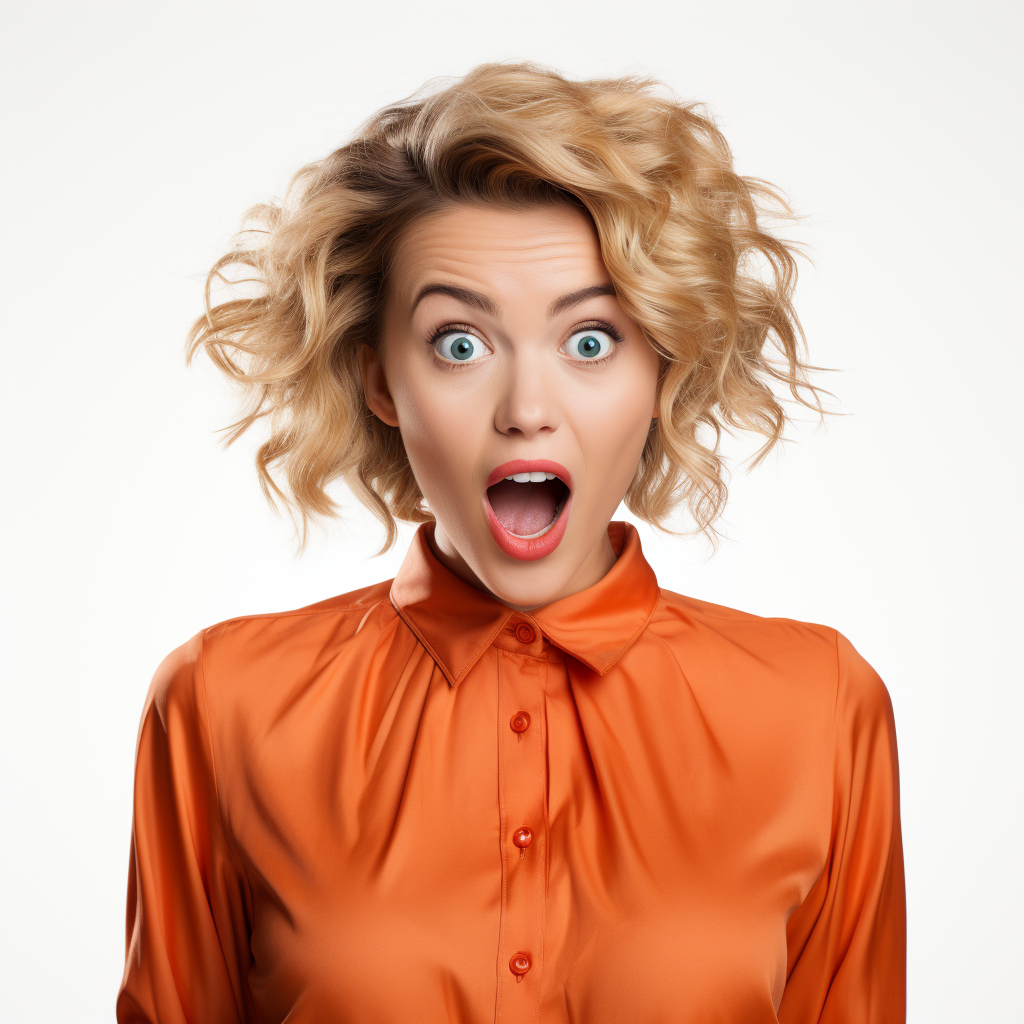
(296, 636)
(172, 691)
(774, 641)
(862, 699)
(238, 659)
(774, 654)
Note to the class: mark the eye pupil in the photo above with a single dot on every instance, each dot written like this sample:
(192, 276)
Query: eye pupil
(462, 348)
(588, 346)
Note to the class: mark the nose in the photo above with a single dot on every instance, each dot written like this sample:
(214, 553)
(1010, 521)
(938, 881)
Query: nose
(527, 403)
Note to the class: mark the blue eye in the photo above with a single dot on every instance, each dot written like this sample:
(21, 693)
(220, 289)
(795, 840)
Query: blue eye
(586, 346)
(459, 347)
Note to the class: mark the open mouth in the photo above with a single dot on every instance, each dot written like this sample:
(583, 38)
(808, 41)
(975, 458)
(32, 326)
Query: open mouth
(527, 503)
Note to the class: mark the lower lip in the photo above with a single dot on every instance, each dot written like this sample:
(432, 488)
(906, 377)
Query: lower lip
(528, 549)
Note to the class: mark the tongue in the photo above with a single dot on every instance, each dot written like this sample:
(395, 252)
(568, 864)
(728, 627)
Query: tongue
(525, 509)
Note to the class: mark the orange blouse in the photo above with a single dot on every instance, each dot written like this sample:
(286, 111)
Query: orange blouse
(412, 803)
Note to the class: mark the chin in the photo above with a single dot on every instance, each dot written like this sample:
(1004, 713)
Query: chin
(526, 586)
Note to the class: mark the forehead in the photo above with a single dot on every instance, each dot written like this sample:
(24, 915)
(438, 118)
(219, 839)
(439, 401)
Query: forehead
(549, 248)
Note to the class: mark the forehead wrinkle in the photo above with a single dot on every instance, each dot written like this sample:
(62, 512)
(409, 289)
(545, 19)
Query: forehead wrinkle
(458, 273)
(486, 258)
(461, 269)
(433, 237)
(503, 252)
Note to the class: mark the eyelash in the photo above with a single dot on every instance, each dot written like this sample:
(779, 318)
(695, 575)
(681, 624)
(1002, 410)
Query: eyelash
(589, 325)
(436, 335)
(598, 325)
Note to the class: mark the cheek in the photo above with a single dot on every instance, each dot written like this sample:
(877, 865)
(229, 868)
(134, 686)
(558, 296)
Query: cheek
(613, 430)
(443, 430)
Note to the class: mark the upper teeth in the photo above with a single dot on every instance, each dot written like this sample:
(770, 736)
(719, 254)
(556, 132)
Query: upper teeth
(531, 478)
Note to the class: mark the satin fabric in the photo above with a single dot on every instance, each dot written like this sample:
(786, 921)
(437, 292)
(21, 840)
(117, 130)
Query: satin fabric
(327, 802)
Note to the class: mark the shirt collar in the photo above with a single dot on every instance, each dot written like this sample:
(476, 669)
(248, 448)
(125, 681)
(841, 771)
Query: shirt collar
(456, 623)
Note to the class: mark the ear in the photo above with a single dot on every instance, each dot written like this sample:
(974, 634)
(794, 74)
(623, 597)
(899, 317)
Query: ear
(375, 386)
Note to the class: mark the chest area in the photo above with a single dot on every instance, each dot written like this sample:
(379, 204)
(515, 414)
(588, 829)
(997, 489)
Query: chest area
(504, 856)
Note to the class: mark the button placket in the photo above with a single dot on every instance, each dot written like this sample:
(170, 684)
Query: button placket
(523, 823)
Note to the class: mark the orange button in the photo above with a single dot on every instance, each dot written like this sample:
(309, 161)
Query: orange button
(524, 633)
(520, 721)
(519, 965)
(523, 837)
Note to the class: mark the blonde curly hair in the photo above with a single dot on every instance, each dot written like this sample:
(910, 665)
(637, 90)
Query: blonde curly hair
(681, 234)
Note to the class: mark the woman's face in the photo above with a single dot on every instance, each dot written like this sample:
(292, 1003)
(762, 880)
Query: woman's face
(506, 354)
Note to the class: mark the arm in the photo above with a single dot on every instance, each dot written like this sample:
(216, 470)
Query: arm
(187, 937)
(847, 940)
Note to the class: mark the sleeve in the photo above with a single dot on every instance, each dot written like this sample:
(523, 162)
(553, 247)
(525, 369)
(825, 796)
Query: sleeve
(847, 940)
(187, 949)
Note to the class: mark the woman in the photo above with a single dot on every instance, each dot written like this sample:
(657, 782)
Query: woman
(519, 782)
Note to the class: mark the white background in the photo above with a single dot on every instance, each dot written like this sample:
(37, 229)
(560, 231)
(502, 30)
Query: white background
(135, 136)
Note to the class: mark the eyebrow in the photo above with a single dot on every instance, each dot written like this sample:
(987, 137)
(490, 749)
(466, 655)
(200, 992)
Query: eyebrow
(575, 298)
(482, 302)
(464, 295)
